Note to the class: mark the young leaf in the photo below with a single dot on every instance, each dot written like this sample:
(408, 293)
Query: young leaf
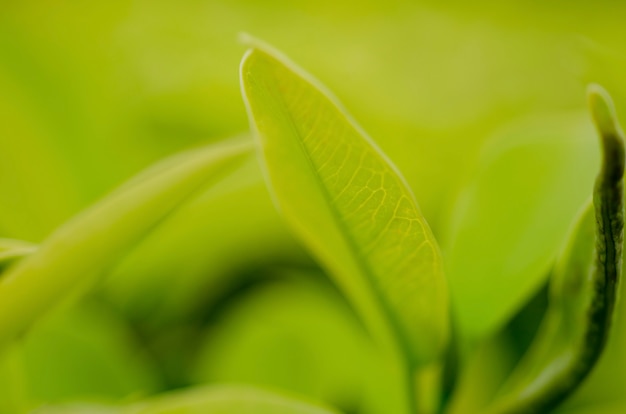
(95, 240)
(584, 287)
(349, 204)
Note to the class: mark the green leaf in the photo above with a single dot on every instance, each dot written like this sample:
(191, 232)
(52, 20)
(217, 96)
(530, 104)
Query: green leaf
(280, 330)
(13, 250)
(14, 393)
(227, 400)
(213, 400)
(94, 241)
(513, 216)
(86, 351)
(349, 205)
(604, 407)
(186, 245)
(78, 409)
(583, 289)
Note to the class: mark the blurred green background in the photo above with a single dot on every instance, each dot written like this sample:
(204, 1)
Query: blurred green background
(93, 92)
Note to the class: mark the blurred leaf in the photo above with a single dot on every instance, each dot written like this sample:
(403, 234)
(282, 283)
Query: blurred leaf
(570, 292)
(349, 205)
(92, 242)
(293, 334)
(213, 400)
(482, 376)
(86, 352)
(13, 250)
(185, 245)
(14, 398)
(227, 400)
(78, 409)
(512, 218)
(600, 407)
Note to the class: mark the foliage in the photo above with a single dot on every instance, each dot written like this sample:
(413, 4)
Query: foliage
(293, 270)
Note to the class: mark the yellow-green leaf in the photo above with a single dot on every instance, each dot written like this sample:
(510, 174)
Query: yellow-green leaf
(513, 216)
(98, 238)
(228, 400)
(349, 205)
(13, 250)
(213, 400)
(584, 289)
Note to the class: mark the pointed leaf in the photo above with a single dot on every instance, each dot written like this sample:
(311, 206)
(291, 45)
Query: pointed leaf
(94, 241)
(585, 287)
(349, 204)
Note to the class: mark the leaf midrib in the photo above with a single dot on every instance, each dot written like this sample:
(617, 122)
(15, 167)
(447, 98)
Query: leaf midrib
(400, 338)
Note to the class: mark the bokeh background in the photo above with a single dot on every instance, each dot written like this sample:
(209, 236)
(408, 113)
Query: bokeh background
(93, 92)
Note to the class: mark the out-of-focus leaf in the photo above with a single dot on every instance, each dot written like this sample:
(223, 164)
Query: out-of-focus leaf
(350, 205)
(95, 240)
(14, 398)
(570, 290)
(86, 352)
(597, 408)
(482, 376)
(584, 287)
(13, 250)
(512, 218)
(213, 400)
(185, 245)
(227, 400)
(292, 334)
(78, 409)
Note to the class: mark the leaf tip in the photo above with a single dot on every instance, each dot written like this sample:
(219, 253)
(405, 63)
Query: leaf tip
(257, 49)
(259, 46)
(245, 38)
(602, 108)
(611, 136)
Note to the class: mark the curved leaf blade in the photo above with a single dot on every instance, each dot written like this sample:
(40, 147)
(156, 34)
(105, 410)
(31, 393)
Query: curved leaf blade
(13, 250)
(212, 399)
(95, 240)
(228, 400)
(585, 287)
(513, 216)
(349, 205)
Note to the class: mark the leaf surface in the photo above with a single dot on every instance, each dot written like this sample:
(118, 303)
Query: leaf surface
(349, 205)
(282, 329)
(13, 250)
(213, 400)
(513, 216)
(94, 241)
(227, 400)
